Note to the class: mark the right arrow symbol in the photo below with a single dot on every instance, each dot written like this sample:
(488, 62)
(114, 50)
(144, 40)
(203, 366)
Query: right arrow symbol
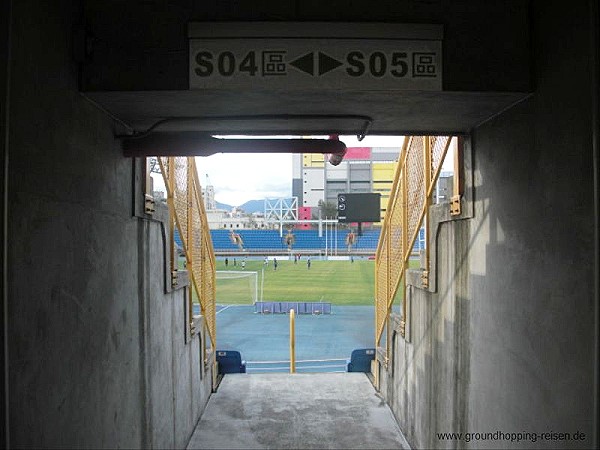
(327, 63)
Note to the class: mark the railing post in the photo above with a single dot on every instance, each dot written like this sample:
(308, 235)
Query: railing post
(389, 289)
(404, 185)
(171, 202)
(457, 180)
(292, 341)
(425, 214)
(190, 238)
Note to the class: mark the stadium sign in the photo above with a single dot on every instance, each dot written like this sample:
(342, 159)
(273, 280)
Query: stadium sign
(359, 207)
(315, 56)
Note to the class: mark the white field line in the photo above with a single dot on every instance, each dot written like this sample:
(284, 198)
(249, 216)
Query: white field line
(297, 361)
(221, 310)
(287, 368)
(320, 367)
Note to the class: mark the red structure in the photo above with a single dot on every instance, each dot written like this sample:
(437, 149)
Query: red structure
(358, 153)
(304, 213)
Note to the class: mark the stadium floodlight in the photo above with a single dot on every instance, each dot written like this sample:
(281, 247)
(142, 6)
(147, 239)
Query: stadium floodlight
(237, 287)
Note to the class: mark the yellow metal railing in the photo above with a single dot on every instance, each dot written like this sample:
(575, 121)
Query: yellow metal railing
(184, 198)
(292, 341)
(418, 169)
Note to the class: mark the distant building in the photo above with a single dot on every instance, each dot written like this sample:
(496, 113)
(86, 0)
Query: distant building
(219, 219)
(443, 191)
(364, 169)
(208, 193)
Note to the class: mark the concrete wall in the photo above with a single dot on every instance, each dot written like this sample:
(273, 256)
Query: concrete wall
(506, 343)
(5, 9)
(98, 355)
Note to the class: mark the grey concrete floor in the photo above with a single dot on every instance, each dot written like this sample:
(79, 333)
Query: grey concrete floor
(297, 411)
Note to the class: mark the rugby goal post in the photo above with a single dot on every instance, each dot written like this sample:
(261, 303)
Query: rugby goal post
(237, 286)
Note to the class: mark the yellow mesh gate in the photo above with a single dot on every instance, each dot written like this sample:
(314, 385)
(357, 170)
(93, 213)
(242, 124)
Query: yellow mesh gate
(184, 197)
(417, 172)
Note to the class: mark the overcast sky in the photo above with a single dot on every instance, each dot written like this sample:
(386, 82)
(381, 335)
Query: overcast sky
(238, 178)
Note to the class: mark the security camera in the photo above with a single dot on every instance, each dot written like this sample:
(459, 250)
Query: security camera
(335, 160)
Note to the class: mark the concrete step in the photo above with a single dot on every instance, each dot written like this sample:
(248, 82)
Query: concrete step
(299, 411)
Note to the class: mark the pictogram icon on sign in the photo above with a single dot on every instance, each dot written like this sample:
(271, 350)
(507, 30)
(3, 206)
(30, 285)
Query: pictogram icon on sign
(273, 63)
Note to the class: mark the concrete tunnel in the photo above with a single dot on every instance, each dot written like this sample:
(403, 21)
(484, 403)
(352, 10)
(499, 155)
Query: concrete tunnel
(505, 339)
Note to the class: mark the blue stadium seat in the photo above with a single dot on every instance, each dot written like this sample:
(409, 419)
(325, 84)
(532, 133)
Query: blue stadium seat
(261, 240)
(257, 240)
(360, 360)
(230, 361)
(177, 238)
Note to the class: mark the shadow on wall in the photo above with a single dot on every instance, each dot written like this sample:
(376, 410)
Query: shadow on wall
(434, 374)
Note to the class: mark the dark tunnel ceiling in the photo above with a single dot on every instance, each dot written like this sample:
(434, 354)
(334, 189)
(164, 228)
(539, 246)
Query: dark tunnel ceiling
(392, 112)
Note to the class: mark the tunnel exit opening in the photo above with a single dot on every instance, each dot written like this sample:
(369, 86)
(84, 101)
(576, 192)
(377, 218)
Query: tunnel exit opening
(368, 167)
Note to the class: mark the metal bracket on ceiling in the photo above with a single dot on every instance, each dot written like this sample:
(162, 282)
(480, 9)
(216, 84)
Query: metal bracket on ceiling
(367, 121)
(365, 130)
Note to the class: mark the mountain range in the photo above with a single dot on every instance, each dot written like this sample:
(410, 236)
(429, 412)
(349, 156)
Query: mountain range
(224, 206)
(251, 206)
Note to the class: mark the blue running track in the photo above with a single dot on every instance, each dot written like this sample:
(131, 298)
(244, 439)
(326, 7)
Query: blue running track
(323, 342)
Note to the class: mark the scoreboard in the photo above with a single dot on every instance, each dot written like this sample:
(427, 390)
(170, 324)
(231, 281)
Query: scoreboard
(363, 207)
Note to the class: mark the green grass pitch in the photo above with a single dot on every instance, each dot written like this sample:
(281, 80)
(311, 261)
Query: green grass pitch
(337, 282)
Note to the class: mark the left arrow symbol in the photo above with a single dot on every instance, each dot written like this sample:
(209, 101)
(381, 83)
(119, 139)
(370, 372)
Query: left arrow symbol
(305, 63)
